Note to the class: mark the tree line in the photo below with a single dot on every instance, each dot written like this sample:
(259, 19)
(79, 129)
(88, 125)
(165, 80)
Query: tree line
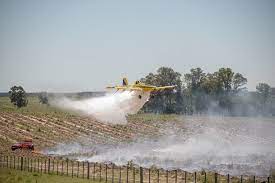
(222, 92)
(197, 92)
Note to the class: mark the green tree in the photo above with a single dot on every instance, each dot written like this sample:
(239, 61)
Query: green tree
(212, 85)
(194, 82)
(18, 96)
(238, 82)
(263, 91)
(231, 83)
(194, 79)
(220, 86)
(43, 98)
(166, 101)
(225, 76)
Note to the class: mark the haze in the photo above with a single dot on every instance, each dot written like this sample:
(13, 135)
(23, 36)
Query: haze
(67, 46)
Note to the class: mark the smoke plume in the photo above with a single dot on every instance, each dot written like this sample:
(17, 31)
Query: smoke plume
(111, 108)
(238, 146)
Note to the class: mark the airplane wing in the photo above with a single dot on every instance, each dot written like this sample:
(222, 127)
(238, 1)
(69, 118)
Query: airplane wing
(117, 87)
(124, 88)
(164, 87)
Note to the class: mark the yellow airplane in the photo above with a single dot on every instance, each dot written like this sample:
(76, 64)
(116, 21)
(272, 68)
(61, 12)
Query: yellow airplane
(138, 86)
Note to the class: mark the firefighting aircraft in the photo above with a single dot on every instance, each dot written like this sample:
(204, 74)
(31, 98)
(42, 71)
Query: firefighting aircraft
(139, 86)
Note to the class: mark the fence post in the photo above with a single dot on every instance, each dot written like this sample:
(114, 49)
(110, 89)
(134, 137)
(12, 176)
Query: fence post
(149, 175)
(113, 166)
(67, 164)
(100, 172)
(41, 171)
(127, 172)
(241, 179)
(49, 165)
(119, 180)
(268, 181)
(228, 178)
(57, 171)
(7, 162)
(134, 174)
(216, 177)
(158, 176)
(72, 162)
(45, 165)
(106, 173)
(77, 169)
(18, 165)
(53, 165)
(141, 174)
(254, 179)
(38, 165)
(195, 177)
(94, 171)
(31, 164)
(13, 162)
(176, 176)
(205, 177)
(62, 167)
(35, 165)
(166, 176)
(88, 171)
(185, 176)
(21, 164)
(83, 169)
(28, 164)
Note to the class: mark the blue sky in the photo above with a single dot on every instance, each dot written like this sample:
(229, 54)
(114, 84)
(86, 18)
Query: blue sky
(85, 45)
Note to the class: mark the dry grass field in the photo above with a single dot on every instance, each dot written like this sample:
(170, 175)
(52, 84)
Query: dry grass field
(48, 126)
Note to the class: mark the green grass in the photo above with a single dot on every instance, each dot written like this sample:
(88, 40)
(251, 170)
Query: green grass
(16, 176)
(33, 108)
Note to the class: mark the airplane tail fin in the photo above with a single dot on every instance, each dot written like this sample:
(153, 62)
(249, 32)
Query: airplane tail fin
(124, 82)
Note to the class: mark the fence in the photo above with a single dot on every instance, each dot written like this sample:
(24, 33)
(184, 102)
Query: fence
(112, 173)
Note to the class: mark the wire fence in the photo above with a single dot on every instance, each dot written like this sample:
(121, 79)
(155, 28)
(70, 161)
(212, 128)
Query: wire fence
(109, 172)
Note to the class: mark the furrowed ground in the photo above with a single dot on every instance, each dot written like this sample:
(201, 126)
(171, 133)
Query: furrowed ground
(49, 126)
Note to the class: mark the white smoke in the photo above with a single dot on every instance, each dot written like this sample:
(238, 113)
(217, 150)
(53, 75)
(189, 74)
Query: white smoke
(111, 108)
(225, 145)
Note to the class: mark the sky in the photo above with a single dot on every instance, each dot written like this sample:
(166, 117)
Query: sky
(69, 46)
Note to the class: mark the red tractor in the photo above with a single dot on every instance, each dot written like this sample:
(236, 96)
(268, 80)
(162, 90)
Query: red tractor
(26, 144)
